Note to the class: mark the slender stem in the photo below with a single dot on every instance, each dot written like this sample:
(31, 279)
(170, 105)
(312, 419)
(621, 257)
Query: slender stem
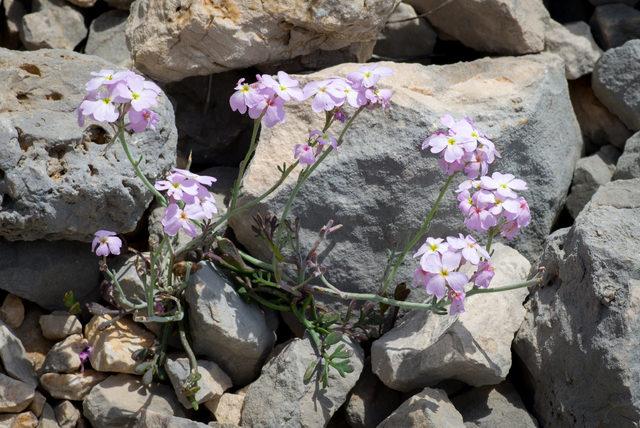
(254, 261)
(492, 233)
(300, 315)
(136, 167)
(193, 362)
(524, 284)
(424, 228)
(235, 192)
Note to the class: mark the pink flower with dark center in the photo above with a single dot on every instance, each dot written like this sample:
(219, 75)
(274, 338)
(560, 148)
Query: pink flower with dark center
(484, 274)
(176, 219)
(457, 302)
(480, 219)
(369, 75)
(503, 184)
(304, 154)
(469, 247)
(517, 210)
(444, 269)
(139, 121)
(272, 108)
(106, 242)
(323, 138)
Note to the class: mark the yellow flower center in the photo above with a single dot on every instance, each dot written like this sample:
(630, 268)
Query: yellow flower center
(135, 95)
(367, 74)
(104, 240)
(444, 272)
(106, 100)
(244, 88)
(184, 216)
(434, 247)
(451, 141)
(283, 88)
(474, 134)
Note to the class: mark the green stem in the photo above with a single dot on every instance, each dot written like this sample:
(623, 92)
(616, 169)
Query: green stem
(524, 284)
(315, 338)
(254, 261)
(422, 231)
(193, 362)
(136, 167)
(492, 233)
(235, 192)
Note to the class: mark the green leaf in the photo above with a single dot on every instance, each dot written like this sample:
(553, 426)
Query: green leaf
(142, 368)
(308, 374)
(332, 338)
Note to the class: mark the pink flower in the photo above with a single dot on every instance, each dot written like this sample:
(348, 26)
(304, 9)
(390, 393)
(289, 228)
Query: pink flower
(208, 205)
(178, 188)
(471, 250)
(480, 219)
(353, 95)
(139, 121)
(421, 277)
(475, 165)
(106, 242)
(133, 91)
(444, 269)
(176, 219)
(323, 138)
(377, 96)
(368, 75)
(466, 202)
(517, 210)
(304, 154)
(503, 184)
(204, 180)
(246, 96)
(100, 110)
(509, 230)
(469, 185)
(432, 246)
(450, 168)
(272, 108)
(102, 77)
(457, 302)
(451, 145)
(340, 115)
(286, 87)
(483, 276)
(326, 95)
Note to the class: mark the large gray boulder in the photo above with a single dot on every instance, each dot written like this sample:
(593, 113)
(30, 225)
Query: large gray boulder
(616, 82)
(225, 328)
(280, 397)
(628, 165)
(496, 26)
(579, 339)
(107, 40)
(380, 185)
(59, 181)
(475, 348)
(171, 41)
(14, 358)
(615, 24)
(52, 24)
(428, 408)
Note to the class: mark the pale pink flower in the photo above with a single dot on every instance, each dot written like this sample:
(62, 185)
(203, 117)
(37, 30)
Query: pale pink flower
(139, 121)
(369, 75)
(469, 247)
(176, 219)
(421, 277)
(208, 205)
(304, 154)
(106, 242)
(484, 274)
(469, 185)
(503, 184)
(323, 138)
(509, 229)
(353, 95)
(431, 246)
(450, 168)
(101, 110)
(102, 77)
(285, 86)
(466, 202)
(326, 95)
(480, 219)
(205, 180)
(451, 145)
(133, 91)
(272, 108)
(457, 302)
(444, 269)
(246, 96)
(178, 188)
(377, 96)
(517, 210)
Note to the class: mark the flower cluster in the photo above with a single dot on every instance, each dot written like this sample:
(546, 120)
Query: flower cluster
(123, 95)
(105, 243)
(189, 201)
(440, 263)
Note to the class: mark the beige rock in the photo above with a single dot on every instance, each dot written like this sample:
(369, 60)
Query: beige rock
(213, 381)
(52, 24)
(48, 418)
(30, 334)
(12, 311)
(575, 44)
(227, 408)
(37, 404)
(22, 420)
(67, 414)
(171, 41)
(71, 386)
(58, 325)
(64, 357)
(113, 346)
(15, 396)
(428, 408)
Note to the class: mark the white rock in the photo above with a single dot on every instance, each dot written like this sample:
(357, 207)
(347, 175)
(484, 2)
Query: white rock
(575, 44)
(428, 408)
(213, 381)
(59, 325)
(71, 386)
(52, 24)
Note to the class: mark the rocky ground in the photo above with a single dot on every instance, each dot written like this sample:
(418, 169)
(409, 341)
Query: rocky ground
(556, 84)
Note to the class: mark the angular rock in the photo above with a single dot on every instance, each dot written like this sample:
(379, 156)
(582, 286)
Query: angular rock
(64, 357)
(130, 274)
(37, 404)
(591, 172)
(117, 401)
(598, 125)
(48, 418)
(14, 358)
(493, 407)
(579, 339)
(615, 81)
(62, 266)
(71, 386)
(59, 325)
(113, 346)
(412, 37)
(474, 348)
(35, 344)
(372, 185)
(370, 401)
(106, 38)
(151, 419)
(213, 382)
(15, 396)
(67, 414)
(52, 24)
(14, 10)
(237, 336)
(12, 311)
(54, 173)
(521, 29)
(628, 165)
(615, 24)
(21, 420)
(428, 408)
(575, 44)
(279, 397)
(171, 41)
(227, 408)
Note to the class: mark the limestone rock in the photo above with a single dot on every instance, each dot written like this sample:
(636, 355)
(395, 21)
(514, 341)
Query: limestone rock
(30, 335)
(615, 24)
(48, 418)
(213, 381)
(107, 39)
(474, 348)
(171, 41)
(616, 82)
(579, 339)
(21, 420)
(412, 37)
(37, 404)
(521, 29)
(67, 414)
(55, 173)
(493, 407)
(52, 24)
(575, 44)
(117, 401)
(227, 408)
(71, 386)
(12, 311)
(113, 346)
(59, 325)
(591, 172)
(628, 165)
(151, 419)
(15, 396)
(428, 408)
(64, 357)
(14, 357)
(279, 397)
(237, 336)
(371, 186)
